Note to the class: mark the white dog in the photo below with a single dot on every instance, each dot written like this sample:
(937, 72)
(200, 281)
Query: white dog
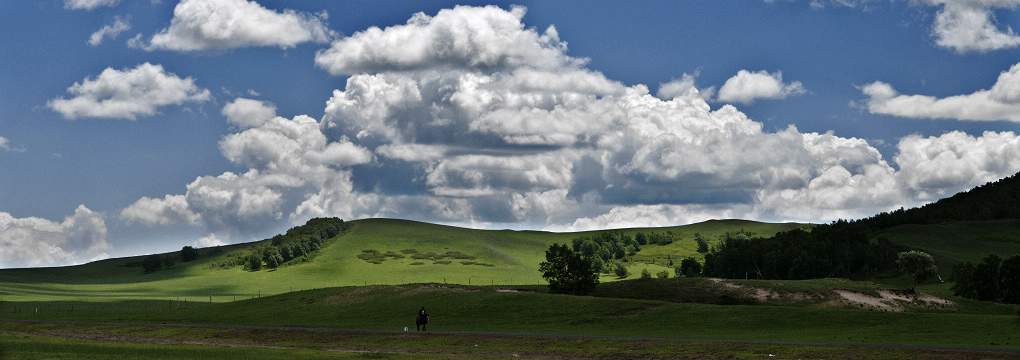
(405, 329)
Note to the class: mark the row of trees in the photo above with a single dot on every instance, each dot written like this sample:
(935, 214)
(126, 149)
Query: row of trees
(839, 249)
(156, 262)
(299, 244)
(993, 279)
(606, 250)
(655, 238)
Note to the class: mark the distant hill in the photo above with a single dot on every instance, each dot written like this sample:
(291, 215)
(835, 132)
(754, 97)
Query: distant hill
(966, 226)
(992, 201)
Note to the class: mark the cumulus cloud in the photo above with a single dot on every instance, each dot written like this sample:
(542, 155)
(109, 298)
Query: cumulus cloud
(1001, 102)
(971, 26)
(88, 4)
(170, 209)
(210, 240)
(934, 167)
(228, 24)
(522, 135)
(33, 241)
(111, 31)
(463, 37)
(745, 87)
(125, 94)
(294, 173)
(248, 113)
(682, 86)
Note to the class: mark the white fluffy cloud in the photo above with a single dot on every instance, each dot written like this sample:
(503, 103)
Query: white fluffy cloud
(463, 37)
(109, 31)
(682, 86)
(971, 26)
(248, 113)
(1001, 102)
(227, 24)
(746, 86)
(933, 167)
(294, 173)
(125, 94)
(170, 209)
(88, 4)
(32, 241)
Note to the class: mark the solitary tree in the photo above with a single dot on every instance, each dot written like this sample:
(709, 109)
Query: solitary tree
(189, 253)
(568, 272)
(919, 265)
(689, 267)
(702, 243)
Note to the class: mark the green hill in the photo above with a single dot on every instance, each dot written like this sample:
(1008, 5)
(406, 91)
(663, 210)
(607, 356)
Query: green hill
(370, 252)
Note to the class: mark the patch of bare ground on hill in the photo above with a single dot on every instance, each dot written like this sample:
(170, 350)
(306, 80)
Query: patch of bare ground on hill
(893, 300)
(886, 299)
(358, 294)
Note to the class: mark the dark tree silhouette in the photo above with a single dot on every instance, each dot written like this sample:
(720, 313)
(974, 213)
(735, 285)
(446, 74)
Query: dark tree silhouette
(568, 272)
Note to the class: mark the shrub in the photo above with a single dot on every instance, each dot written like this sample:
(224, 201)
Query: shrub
(663, 274)
(254, 262)
(152, 263)
(689, 267)
(188, 253)
(645, 274)
(620, 271)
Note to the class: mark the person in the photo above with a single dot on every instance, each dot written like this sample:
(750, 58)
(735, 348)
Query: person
(422, 320)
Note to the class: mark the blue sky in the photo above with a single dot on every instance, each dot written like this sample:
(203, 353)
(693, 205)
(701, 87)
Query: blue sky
(132, 127)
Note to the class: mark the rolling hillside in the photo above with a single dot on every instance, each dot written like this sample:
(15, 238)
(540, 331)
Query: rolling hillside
(397, 252)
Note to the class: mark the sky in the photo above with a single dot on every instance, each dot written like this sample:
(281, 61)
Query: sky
(137, 127)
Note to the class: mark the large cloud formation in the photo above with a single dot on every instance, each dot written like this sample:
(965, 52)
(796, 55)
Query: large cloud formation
(468, 117)
(125, 94)
(227, 24)
(1000, 102)
(32, 241)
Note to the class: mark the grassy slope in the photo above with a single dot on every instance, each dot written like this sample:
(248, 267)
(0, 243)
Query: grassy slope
(514, 254)
(959, 241)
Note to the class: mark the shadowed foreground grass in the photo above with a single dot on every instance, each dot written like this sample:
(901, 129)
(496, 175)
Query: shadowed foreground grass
(82, 341)
(484, 309)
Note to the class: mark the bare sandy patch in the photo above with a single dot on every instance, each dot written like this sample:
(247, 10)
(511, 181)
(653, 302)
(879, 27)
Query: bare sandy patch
(892, 300)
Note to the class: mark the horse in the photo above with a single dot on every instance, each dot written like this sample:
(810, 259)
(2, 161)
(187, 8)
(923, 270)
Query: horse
(421, 321)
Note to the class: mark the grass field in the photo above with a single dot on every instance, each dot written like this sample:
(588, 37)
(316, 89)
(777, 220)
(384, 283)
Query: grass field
(51, 341)
(641, 308)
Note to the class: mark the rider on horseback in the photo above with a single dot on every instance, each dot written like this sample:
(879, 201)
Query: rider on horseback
(423, 319)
